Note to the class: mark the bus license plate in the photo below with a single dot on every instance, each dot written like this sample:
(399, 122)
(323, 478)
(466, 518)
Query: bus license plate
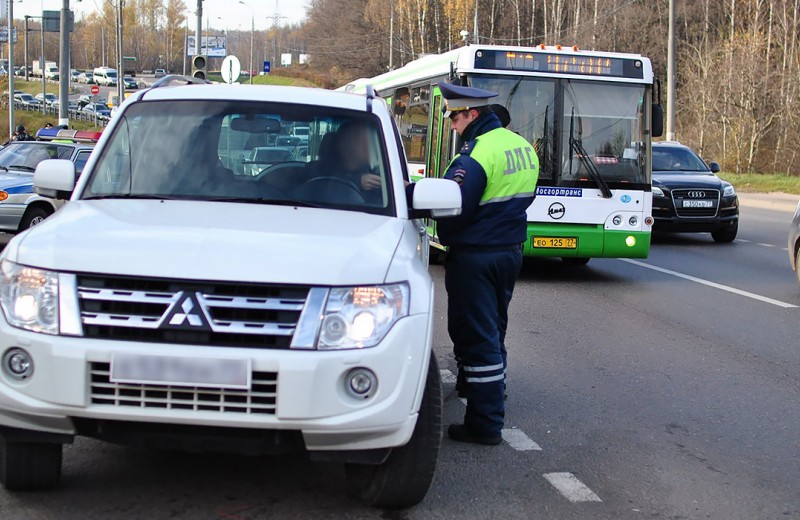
(698, 203)
(555, 242)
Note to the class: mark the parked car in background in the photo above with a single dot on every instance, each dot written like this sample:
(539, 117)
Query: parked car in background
(160, 73)
(20, 207)
(105, 76)
(86, 78)
(688, 197)
(28, 101)
(74, 75)
(71, 105)
(130, 83)
(47, 98)
(101, 110)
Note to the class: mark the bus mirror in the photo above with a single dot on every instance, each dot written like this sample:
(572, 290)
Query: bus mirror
(658, 120)
(440, 197)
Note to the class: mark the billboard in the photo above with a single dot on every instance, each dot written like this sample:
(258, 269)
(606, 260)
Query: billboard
(4, 35)
(286, 59)
(212, 46)
(52, 21)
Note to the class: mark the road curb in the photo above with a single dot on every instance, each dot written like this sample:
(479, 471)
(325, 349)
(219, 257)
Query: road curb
(775, 202)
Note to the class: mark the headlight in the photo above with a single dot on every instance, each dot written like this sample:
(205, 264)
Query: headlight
(29, 297)
(359, 317)
(728, 191)
(657, 192)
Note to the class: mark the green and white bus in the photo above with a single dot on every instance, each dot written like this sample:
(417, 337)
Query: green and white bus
(590, 117)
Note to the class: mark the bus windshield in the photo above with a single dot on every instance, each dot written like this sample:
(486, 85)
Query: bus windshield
(606, 124)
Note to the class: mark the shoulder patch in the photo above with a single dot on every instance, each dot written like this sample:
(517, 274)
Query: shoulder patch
(467, 148)
(459, 175)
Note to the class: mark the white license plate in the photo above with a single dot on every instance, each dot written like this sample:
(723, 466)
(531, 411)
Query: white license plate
(698, 203)
(180, 371)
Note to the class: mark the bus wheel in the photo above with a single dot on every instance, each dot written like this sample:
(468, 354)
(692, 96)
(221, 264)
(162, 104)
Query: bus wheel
(573, 260)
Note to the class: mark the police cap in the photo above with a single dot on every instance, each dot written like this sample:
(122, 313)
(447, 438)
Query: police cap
(459, 98)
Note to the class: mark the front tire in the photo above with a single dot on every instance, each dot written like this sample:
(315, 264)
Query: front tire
(404, 478)
(726, 235)
(26, 466)
(33, 217)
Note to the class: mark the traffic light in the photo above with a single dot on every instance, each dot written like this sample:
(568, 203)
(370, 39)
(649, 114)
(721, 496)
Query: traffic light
(200, 66)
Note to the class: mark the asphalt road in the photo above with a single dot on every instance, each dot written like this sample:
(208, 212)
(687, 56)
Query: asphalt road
(668, 393)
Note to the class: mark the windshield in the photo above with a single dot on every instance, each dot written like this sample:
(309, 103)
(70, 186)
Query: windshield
(606, 125)
(26, 156)
(234, 152)
(531, 104)
(675, 159)
(111, 74)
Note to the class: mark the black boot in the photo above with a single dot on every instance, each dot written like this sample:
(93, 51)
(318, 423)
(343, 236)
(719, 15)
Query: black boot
(460, 433)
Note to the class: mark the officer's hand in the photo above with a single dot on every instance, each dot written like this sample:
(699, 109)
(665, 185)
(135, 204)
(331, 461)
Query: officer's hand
(370, 181)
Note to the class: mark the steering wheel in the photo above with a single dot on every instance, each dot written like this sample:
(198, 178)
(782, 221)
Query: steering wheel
(280, 166)
(346, 184)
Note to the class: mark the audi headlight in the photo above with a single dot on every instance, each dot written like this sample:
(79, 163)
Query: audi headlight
(29, 297)
(657, 192)
(728, 191)
(359, 317)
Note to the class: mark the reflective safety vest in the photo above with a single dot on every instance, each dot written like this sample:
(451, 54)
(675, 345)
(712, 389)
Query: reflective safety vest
(510, 163)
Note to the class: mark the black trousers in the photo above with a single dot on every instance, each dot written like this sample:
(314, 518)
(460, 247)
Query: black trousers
(479, 286)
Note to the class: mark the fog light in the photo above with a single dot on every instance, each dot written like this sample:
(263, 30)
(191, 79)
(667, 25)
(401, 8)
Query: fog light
(18, 364)
(630, 241)
(633, 221)
(617, 220)
(361, 382)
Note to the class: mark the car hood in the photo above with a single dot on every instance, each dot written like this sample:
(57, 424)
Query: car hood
(213, 241)
(12, 179)
(686, 180)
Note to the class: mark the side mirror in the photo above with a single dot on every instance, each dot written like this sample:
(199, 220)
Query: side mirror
(658, 120)
(436, 197)
(714, 167)
(54, 178)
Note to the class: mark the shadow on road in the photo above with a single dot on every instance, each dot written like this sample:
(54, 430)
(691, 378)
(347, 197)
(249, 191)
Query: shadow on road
(546, 270)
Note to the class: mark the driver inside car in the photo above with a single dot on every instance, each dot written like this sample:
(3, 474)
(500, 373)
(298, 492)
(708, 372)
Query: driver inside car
(353, 156)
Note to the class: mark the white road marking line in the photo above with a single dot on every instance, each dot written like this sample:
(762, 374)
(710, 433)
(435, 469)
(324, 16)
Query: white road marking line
(785, 248)
(743, 241)
(715, 285)
(764, 245)
(573, 489)
(519, 441)
(447, 377)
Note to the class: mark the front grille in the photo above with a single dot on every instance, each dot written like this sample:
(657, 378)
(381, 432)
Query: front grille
(261, 398)
(163, 311)
(679, 196)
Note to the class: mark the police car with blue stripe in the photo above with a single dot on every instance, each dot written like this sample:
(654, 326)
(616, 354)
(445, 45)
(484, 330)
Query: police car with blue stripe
(20, 207)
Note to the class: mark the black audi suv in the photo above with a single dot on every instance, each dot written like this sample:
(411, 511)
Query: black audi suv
(688, 196)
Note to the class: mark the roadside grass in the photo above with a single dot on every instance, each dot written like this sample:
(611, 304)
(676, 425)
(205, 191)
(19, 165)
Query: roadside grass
(268, 79)
(763, 182)
(32, 87)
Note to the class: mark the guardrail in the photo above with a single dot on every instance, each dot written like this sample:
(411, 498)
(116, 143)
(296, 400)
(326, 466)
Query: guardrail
(79, 115)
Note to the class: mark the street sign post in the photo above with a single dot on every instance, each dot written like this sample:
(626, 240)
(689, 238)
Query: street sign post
(266, 67)
(231, 68)
(95, 90)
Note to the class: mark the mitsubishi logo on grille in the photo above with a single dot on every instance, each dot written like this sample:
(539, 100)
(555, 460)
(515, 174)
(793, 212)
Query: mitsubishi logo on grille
(697, 194)
(187, 314)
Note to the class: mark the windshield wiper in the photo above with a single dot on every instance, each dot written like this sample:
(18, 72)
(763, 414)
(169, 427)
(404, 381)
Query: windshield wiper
(577, 147)
(264, 200)
(20, 167)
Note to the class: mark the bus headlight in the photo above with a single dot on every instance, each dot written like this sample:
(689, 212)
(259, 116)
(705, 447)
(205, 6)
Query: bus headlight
(359, 317)
(29, 297)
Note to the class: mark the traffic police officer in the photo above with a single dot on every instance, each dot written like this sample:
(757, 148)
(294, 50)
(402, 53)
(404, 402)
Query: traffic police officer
(497, 171)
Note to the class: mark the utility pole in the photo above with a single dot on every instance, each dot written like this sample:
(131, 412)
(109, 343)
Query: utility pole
(391, 38)
(671, 74)
(10, 71)
(25, 63)
(198, 32)
(185, 43)
(120, 55)
(475, 25)
(65, 70)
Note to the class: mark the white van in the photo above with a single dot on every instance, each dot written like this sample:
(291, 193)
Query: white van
(287, 310)
(105, 76)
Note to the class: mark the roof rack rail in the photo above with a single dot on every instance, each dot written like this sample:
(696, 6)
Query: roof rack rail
(172, 78)
(370, 97)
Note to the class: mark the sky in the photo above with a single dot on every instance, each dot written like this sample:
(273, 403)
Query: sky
(221, 14)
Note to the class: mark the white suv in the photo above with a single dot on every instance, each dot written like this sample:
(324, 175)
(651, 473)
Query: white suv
(180, 296)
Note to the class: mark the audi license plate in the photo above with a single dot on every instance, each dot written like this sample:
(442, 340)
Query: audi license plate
(180, 371)
(555, 242)
(698, 203)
